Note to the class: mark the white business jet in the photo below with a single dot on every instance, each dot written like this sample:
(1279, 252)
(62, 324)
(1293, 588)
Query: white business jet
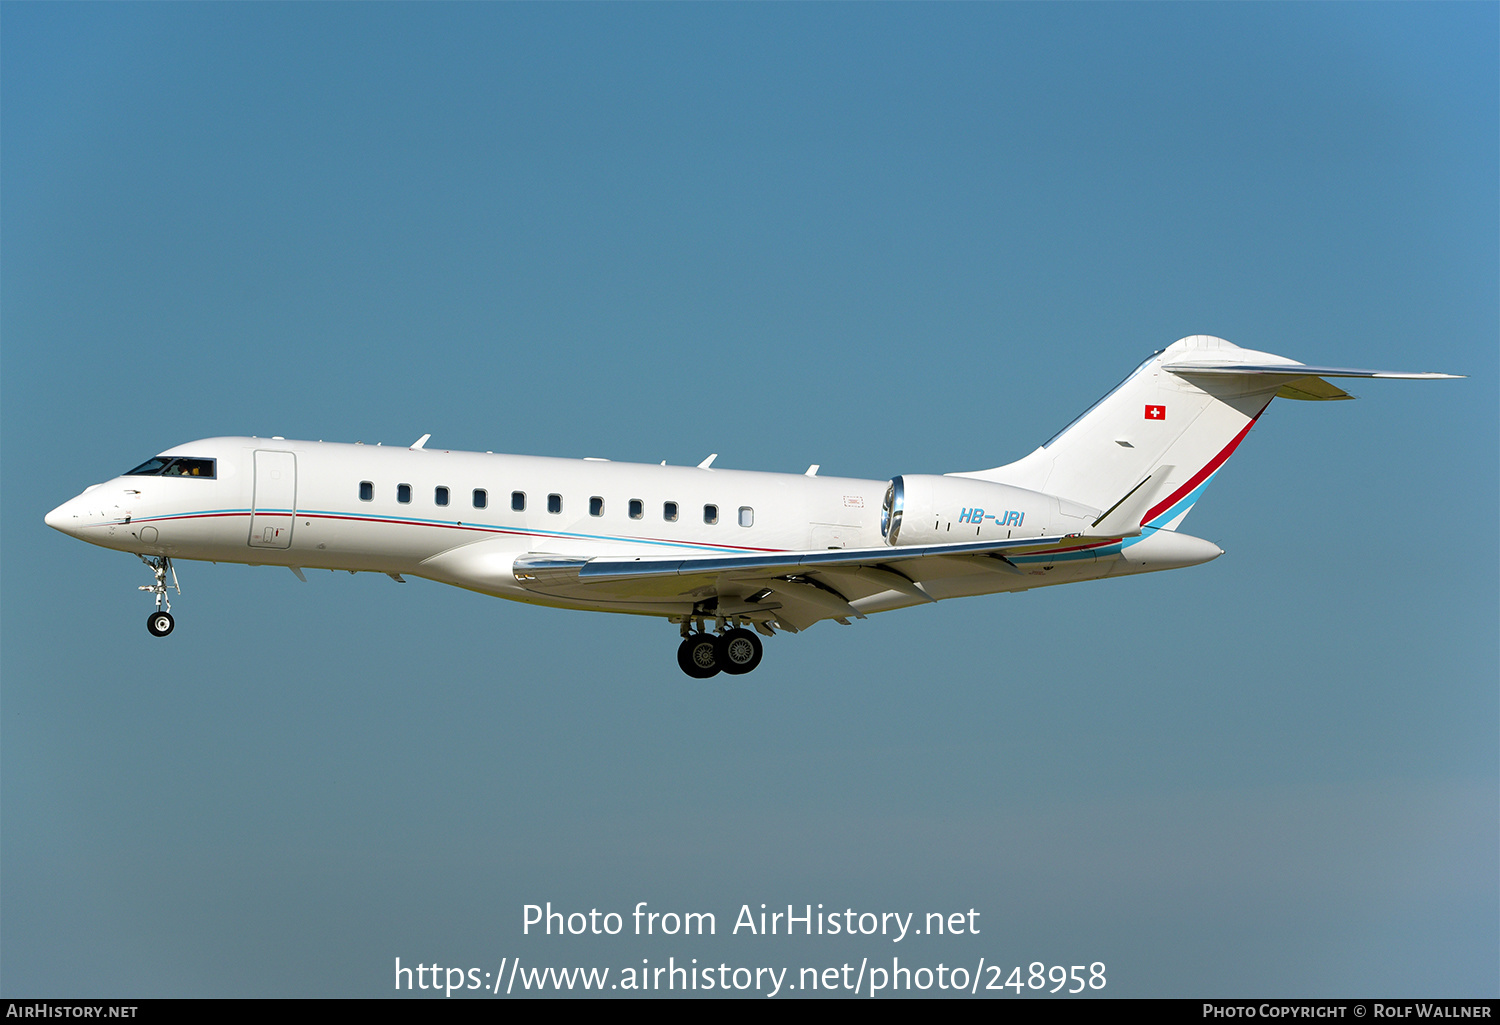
(726, 555)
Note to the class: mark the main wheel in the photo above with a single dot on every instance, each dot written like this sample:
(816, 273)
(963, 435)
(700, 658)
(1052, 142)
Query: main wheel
(160, 623)
(739, 651)
(698, 656)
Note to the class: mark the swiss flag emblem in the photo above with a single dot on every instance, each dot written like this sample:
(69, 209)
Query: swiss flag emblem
(1156, 412)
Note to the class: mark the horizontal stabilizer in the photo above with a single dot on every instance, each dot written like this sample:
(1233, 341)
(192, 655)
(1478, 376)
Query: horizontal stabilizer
(1302, 381)
(1289, 369)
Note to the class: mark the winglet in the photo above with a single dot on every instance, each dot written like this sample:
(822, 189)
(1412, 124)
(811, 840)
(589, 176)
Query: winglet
(812, 471)
(1123, 519)
(420, 442)
(708, 462)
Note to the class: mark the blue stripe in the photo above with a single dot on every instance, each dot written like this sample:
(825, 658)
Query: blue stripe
(1183, 504)
(460, 524)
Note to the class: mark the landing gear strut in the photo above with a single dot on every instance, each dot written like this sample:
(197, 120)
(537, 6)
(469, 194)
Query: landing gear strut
(702, 654)
(160, 622)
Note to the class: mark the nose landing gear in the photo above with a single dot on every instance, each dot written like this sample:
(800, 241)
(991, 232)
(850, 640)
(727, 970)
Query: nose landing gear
(160, 622)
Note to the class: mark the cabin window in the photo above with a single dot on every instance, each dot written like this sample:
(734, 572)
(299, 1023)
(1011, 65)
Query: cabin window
(440, 496)
(669, 511)
(518, 501)
(637, 508)
(747, 516)
(710, 514)
(554, 503)
(403, 493)
(481, 498)
(366, 491)
(166, 466)
(596, 506)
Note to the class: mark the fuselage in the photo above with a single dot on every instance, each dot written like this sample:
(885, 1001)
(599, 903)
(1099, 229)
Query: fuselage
(462, 517)
(356, 507)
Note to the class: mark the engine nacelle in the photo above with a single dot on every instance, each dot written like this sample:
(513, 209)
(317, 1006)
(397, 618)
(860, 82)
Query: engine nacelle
(925, 509)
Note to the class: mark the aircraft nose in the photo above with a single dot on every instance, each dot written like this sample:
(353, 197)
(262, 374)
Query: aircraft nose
(64, 518)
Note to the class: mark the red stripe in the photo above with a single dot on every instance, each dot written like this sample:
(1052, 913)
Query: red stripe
(1203, 474)
(478, 528)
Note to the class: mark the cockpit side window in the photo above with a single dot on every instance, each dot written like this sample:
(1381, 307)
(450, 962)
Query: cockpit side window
(164, 466)
(190, 468)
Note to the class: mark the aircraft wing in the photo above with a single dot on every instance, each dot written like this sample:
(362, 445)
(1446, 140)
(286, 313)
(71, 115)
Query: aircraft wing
(795, 589)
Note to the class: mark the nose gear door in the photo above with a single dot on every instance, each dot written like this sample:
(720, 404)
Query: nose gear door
(275, 505)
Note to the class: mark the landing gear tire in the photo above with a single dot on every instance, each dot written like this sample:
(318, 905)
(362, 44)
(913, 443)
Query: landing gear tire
(160, 623)
(698, 656)
(739, 651)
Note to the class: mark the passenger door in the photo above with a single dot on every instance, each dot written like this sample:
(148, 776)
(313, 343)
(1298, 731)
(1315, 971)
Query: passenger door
(275, 505)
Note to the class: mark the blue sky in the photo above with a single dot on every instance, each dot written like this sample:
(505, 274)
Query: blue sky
(886, 239)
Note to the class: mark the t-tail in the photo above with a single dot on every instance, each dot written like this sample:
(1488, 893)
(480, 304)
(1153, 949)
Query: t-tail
(1144, 452)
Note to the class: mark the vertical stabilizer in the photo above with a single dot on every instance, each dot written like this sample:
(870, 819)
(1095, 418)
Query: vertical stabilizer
(1173, 428)
(1167, 428)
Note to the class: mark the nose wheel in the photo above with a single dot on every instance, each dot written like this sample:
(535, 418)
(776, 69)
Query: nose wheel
(160, 622)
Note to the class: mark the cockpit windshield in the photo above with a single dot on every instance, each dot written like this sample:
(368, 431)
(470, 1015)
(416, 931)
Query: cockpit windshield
(170, 466)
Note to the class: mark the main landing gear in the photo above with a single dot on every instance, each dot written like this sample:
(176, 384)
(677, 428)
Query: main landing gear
(160, 622)
(734, 651)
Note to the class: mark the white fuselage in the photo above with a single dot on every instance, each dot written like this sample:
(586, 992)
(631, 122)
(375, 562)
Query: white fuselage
(226, 519)
(378, 509)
